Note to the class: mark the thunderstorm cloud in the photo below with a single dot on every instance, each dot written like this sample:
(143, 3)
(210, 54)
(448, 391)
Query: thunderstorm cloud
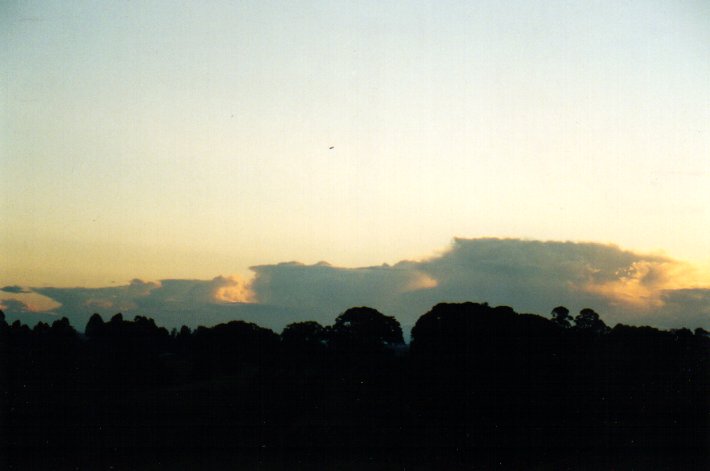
(530, 276)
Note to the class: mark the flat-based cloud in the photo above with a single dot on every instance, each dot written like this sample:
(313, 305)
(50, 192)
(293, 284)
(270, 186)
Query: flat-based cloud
(171, 302)
(530, 276)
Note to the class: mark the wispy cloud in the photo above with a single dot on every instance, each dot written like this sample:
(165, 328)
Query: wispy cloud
(531, 276)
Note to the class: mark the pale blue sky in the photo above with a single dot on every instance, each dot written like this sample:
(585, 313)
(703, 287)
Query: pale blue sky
(191, 139)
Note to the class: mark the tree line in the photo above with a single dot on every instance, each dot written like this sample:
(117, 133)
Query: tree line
(476, 384)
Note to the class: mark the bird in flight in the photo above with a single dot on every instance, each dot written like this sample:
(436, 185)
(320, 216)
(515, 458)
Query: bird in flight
(331, 147)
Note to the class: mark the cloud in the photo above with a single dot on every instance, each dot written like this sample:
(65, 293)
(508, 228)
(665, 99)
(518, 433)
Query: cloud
(530, 276)
(326, 291)
(171, 302)
(15, 309)
(109, 299)
(535, 276)
(680, 304)
(14, 289)
(642, 285)
(15, 306)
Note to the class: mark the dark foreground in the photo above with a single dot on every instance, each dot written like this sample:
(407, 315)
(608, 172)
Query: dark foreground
(479, 388)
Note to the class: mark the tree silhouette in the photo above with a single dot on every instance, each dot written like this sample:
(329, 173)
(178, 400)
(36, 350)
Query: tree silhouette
(306, 337)
(478, 381)
(42, 328)
(227, 347)
(589, 321)
(95, 325)
(4, 328)
(561, 317)
(184, 332)
(61, 328)
(364, 328)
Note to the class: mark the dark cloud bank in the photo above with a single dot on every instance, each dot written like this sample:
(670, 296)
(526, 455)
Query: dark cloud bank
(530, 276)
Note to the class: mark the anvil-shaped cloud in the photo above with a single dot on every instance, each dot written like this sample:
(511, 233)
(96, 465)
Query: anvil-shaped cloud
(530, 276)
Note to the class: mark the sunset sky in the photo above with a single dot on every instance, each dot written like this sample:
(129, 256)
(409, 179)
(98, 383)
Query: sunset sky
(190, 141)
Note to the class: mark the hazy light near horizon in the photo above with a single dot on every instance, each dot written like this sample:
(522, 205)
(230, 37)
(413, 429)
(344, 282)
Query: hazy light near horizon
(182, 139)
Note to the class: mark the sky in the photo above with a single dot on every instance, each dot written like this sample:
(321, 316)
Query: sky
(221, 144)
